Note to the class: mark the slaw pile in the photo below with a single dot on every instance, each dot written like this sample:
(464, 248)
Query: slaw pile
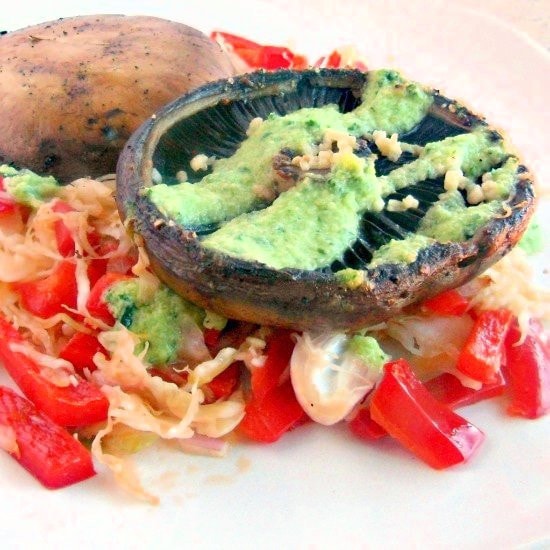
(89, 378)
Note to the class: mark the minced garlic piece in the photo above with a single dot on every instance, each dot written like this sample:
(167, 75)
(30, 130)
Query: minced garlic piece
(489, 187)
(254, 125)
(323, 157)
(389, 147)
(474, 194)
(454, 179)
(401, 206)
(345, 142)
(181, 176)
(199, 162)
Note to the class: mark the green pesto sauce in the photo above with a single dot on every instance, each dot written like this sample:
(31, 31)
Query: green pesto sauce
(238, 184)
(311, 225)
(157, 319)
(28, 188)
(350, 278)
(318, 217)
(532, 241)
(400, 251)
(450, 220)
(368, 350)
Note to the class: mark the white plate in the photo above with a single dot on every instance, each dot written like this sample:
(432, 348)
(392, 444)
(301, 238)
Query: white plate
(318, 487)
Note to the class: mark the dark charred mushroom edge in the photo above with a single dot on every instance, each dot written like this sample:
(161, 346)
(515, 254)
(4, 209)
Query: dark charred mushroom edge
(294, 298)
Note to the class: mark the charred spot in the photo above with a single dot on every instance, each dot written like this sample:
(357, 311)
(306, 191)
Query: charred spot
(114, 112)
(109, 133)
(50, 161)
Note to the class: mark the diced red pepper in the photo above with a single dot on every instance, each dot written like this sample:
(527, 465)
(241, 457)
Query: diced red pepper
(80, 351)
(233, 40)
(43, 448)
(448, 389)
(273, 408)
(7, 204)
(79, 405)
(96, 304)
(449, 302)
(46, 297)
(433, 432)
(211, 337)
(528, 371)
(333, 60)
(363, 426)
(278, 352)
(266, 420)
(259, 56)
(225, 383)
(483, 353)
(63, 235)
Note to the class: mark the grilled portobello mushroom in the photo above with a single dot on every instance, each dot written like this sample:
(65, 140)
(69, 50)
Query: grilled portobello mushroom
(322, 220)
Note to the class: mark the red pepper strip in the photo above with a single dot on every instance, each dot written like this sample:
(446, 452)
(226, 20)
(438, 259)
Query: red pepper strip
(225, 383)
(63, 235)
(482, 355)
(273, 408)
(211, 337)
(429, 429)
(233, 40)
(79, 405)
(260, 56)
(45, 449)
(96, 304)
(333, 60)
(278, 351)
(266, 420)
(363, 426)
(7, 205)
(448, 389)
(449, 302)
(80, 351)
(46, 297)
(528, 371)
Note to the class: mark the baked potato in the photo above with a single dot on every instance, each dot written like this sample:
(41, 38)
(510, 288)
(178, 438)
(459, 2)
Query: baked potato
(74, 90)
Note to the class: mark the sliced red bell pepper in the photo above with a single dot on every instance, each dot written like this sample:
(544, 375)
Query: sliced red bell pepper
(260, 56)
(63, 235)
(448, 389)
(273, 408)
(96, 304)
(234, 40)
(433, 432)
(363, 426)
(483, 353)
(225, 383)
(266, 420)
(7, 204)
(80, 351)
(449, 302)
(79, 405)
(528, 371)
(50, 453)
(278, 352)
(211, 337)
(46, 297)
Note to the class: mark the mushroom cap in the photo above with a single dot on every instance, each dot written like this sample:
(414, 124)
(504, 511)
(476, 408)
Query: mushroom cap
(213, 119)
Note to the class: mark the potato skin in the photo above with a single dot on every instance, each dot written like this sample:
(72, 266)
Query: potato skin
(74, 90)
